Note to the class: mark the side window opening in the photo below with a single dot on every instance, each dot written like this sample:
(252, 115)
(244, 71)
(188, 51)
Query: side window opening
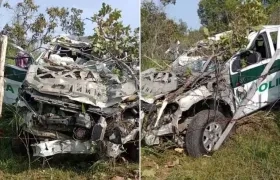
(261, 46)
(261, 51)
(274, 36)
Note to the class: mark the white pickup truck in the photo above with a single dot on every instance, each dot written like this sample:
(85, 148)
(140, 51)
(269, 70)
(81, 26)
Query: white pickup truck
(196, 118)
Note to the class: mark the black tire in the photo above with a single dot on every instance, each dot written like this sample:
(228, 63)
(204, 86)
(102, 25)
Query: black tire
(193, 140)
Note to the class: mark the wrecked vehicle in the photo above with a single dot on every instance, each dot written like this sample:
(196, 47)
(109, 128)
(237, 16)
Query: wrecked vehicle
(74, 102)
(199, 96)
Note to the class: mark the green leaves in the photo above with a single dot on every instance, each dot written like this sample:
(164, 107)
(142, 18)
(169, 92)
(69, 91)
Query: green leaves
(243, 17)
(29, 27)
(273, 11)
(106, 9)
(257, 28)
(111, 37)
(71, 22)
(206, 32)
(215, 15)
(158, 31)
(83, 108)
(166, 2)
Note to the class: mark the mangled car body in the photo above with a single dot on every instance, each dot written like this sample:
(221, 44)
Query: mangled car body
(76, 103)
(200, 95)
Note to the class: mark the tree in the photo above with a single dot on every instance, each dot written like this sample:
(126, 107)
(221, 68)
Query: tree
(273, 11)
(166, 2)
(111, 37)
(29, 27)
(216, 15)
(72, 23)
(192, 37)
(157, 30)
(248, 15)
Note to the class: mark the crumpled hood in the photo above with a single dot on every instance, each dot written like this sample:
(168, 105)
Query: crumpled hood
(83, 85)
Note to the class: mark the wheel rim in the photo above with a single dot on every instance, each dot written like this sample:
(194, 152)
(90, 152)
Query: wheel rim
(211, 134)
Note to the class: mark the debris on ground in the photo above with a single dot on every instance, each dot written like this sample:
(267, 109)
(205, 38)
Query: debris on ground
(179, 150)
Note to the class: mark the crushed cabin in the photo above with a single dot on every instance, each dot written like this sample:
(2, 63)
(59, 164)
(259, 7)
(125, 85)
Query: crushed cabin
(74, 102)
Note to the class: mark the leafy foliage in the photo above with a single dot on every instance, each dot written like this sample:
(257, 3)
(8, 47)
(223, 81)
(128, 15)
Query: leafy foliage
(249, 14)
(166, 2)
(216, 15)
(158, 32)
(111, 37)
(29, 27)
(72, 22)
(273, 11)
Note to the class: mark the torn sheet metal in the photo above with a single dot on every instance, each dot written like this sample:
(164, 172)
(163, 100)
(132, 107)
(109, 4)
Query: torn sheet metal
(114, 150)
(170, 117)
(155, 83)
(84, 85)
(50, 148)
(75, 100)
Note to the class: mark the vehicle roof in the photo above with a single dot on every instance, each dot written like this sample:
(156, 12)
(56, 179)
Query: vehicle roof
(219, 35)
(270, 26)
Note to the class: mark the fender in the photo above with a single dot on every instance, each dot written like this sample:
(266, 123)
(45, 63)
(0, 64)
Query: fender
(189, 98)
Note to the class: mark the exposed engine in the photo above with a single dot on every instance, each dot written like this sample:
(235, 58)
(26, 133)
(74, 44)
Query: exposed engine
(78, 107)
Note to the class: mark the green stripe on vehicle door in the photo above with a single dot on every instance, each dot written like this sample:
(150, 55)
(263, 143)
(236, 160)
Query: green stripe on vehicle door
(14, 74)
(252, 74)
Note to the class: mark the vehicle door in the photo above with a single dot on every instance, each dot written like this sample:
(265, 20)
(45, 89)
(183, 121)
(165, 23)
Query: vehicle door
(247, 67)
(15, 70)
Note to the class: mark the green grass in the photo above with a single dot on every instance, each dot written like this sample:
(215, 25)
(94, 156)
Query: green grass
(253, 152)
(15, 166)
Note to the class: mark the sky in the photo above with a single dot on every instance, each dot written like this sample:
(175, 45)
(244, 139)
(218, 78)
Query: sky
(185, 10)
(130, 10)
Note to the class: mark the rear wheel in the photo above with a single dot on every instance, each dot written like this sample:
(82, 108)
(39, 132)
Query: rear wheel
(204, 131)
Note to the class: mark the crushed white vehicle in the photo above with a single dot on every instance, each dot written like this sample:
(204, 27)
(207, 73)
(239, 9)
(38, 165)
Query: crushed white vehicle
(199, 97)
(74, 102)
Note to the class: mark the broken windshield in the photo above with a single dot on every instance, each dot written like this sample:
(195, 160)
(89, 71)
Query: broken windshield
(197, 66)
